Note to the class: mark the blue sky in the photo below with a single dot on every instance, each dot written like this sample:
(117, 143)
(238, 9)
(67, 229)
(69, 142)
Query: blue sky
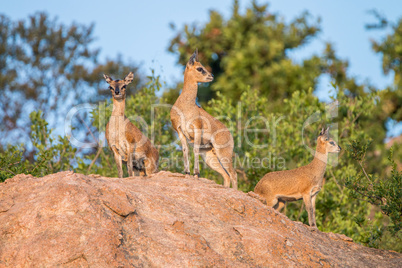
(115, 21)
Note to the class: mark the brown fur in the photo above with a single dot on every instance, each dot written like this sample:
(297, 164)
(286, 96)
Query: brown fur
(126, 141)
(301, 183)
(211, 139)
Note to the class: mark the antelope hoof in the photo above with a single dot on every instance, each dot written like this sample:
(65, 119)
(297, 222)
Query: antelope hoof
(196, 175)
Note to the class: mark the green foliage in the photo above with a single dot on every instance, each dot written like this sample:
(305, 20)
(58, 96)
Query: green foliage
(252, 49)
(261, 144)
(57, 155)
(390, 49)
(12, 163)
(384, 193)
(50, 156)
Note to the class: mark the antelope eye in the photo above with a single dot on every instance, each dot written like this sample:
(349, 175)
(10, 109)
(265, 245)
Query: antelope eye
(199, 69)
(332, 143)
(110, 88)
(123, 87)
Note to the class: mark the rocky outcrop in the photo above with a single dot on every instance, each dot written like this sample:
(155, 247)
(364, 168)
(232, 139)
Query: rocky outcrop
(168, 220)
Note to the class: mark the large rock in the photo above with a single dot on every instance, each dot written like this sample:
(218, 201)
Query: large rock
(73, 220)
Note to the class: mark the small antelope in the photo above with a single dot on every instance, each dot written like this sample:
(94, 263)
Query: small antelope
(301, 183)
(126, 141)
(211, 139)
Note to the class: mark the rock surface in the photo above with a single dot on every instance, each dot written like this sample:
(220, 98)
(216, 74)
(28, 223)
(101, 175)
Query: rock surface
(168, 220)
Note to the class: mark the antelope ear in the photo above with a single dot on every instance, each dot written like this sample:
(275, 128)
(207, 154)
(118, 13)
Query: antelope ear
(107, 78)
(193, 58)
(129, 78)
(327, 132)
(322, 132)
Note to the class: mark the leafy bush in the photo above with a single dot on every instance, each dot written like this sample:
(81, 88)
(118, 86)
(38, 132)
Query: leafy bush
(50, 156)
(383, 193)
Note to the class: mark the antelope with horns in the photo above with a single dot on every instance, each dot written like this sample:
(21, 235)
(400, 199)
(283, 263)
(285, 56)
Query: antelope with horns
(211, 139)
(126, 141)
(301, 183)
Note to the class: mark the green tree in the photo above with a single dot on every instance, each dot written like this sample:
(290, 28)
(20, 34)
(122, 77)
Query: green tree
(390, 48)
(252, 49)
(46, 65)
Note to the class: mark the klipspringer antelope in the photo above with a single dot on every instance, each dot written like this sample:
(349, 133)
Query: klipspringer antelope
(211, 139)
(126, 141)
(301, 183)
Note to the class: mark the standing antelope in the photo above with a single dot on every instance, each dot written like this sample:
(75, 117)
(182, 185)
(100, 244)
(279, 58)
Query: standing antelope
(126, 141)
(301, 183)
(211, 139)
